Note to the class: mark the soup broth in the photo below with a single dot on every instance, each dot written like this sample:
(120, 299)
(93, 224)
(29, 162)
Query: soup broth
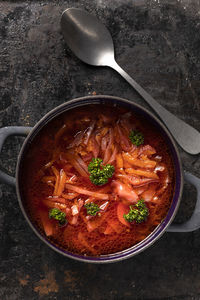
(100, 217)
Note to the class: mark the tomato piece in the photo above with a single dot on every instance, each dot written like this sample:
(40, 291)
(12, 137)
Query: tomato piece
(122, 210)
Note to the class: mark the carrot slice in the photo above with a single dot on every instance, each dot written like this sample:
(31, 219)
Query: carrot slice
(142, 173)
(139, 163)
(55, 171)
(122, 210)
(119, 161)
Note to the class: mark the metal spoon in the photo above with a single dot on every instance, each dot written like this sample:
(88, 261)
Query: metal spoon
(91, 42)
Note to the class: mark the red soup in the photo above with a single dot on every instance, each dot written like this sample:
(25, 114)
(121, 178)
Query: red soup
(98, 180)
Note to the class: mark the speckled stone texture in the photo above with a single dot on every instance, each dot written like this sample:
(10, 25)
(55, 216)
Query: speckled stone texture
(156, 42)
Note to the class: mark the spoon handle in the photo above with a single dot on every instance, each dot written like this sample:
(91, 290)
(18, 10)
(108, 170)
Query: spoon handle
(186, 136)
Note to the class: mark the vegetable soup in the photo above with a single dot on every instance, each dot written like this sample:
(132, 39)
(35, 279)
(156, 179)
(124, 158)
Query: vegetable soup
(97, 180)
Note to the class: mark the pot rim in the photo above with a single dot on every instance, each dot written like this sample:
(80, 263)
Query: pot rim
(158, 231)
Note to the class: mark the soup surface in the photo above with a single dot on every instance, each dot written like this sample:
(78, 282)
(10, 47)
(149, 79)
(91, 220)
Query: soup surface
(97, 180)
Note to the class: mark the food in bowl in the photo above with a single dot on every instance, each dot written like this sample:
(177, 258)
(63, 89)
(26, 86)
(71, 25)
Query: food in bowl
(97, 180)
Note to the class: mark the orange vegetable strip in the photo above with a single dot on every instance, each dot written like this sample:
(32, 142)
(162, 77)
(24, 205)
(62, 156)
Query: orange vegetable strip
(78, 168)
(55, 171)
(127, 165)
(104, 189)
(62, 182)
(104, 131)
(146, 150)
(121, 171)
(72, 159)
(57, 199)
(134, 152)
(46, 222)
(86, 192)
(142, 173)
(136, 181)
(139, 163)
(90, 199)
(69, 196)
(119, 161)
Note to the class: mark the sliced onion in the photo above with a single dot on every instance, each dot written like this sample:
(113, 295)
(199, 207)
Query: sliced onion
(113, 156)
(124, 143)
(75, 162)
(135, 181)
(95, 147)
(146, 150)
(86, 192)
(104, 205)
(77, 140)
(82, 163)
(108, 148)
(89, 132)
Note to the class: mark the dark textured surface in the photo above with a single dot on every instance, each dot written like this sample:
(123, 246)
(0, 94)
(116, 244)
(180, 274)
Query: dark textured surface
(158, 43)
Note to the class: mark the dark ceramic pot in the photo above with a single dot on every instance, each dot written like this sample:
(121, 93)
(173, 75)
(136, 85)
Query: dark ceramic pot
(192, 224)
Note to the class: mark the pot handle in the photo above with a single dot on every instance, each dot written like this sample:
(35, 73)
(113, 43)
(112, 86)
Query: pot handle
(4, 133)
(194, 222)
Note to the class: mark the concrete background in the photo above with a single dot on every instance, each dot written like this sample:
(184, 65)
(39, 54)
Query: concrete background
(156, 42)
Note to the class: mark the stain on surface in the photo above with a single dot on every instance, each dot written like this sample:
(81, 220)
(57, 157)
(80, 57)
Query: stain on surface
(47, 285)
(24, 281)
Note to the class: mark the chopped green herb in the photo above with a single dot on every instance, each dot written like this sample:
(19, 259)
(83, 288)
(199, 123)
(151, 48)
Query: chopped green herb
(99, 173)
(136, 137)
(92, 208)
(138, 213)
(58, 215)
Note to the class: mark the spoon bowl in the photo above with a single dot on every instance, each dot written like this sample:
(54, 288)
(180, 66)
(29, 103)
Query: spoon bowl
(88, 38)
